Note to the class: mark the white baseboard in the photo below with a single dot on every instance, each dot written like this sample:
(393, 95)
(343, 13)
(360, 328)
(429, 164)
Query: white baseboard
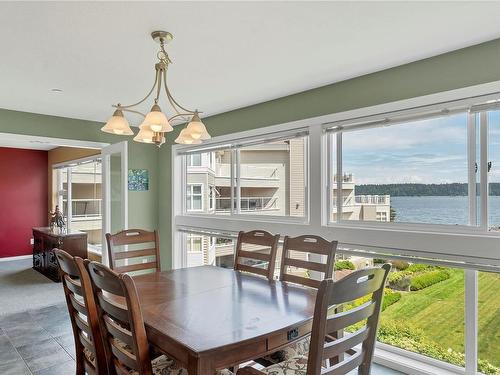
(20, 257)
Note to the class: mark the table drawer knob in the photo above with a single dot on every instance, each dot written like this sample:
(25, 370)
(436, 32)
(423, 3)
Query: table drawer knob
(292, 334)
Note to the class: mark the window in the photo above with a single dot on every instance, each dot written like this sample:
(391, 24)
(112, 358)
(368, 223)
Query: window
(194, 197)
(209, 250)
(265, 178)
(410, 172)
(419, 183)
(488, 322)
(194, 160)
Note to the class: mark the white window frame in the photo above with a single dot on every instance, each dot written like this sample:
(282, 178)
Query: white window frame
(472, 249)
(190, 185)
(190, 161)
(191, 238)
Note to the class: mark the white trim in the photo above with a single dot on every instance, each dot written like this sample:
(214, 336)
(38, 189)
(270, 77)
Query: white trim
(75, 162)
(202, 191)
(18, 257)
(471, 321)
(58, 142)
(122, 149)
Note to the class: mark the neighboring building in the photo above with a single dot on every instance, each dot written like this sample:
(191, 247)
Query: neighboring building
(360, 207)
(272, 182)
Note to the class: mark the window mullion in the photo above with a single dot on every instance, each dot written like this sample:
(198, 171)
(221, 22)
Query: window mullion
(472, 162)
(339, 197)
(484, 169)
(471, 319)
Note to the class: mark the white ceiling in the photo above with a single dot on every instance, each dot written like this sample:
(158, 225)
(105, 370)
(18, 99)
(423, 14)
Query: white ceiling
(30, 145)
(226, 55)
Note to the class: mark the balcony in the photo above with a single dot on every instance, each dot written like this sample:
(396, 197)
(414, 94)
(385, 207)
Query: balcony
(365, 200)
(251, 175)
(247, 204)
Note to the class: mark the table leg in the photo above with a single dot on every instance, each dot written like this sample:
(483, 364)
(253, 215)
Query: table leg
(200, 366)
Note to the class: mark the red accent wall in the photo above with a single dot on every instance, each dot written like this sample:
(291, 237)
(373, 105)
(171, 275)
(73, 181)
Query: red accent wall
(23, 198)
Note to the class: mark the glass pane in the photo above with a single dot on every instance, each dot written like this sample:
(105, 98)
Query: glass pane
(423, 308)
(489, 322)
(272, 178)
(208, 175)
(209, 250)
(413, 172)
(494, 170)
(86, 202)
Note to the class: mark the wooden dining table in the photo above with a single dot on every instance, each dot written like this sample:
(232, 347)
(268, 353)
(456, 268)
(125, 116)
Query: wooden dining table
(210, 318)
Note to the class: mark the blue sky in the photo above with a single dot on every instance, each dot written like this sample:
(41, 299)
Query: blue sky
(430, 151)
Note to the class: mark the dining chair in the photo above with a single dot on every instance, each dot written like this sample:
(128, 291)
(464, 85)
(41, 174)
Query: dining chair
(89, 348)
(293, 268)
(327, 356)
(144, 256)
(256, 252)
(124, 335)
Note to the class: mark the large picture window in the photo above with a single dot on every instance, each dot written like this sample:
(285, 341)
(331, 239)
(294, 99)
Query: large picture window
(417, 187)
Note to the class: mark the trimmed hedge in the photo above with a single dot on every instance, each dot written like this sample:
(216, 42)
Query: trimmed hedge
(404, 336)
(344, 265)
(429, 278)
(400, 264)
(390, 298)
(419, 267)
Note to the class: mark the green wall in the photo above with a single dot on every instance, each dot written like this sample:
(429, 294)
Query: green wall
(152, 209)
(466, 67)
(143, 206)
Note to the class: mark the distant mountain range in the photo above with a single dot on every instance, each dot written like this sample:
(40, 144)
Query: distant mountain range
(417, 190)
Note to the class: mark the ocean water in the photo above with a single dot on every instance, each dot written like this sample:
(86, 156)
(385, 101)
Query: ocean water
(440, 210)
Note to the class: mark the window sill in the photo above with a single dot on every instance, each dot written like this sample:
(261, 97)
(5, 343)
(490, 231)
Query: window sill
(412, 363)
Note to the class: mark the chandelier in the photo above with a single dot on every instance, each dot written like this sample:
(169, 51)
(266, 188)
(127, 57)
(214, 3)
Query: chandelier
(156, 123)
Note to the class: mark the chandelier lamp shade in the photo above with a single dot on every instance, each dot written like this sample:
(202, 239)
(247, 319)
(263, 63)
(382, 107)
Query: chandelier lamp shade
(156, 123)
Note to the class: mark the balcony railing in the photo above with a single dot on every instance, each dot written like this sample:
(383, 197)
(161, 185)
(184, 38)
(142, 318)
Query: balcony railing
(248, 203)
(248, 171)
(360, 200)
(85, 208)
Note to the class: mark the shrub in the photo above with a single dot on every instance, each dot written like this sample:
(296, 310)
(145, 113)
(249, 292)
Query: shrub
(427, 279)
(400, 264)
(419, 267)
(344, 265)
(379, 261)
(390, 298)
(405, 336)
(399, 280)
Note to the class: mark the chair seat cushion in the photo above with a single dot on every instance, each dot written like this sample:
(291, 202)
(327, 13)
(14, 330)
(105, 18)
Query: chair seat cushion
(164, 365)
(297, 349)
(293, 366)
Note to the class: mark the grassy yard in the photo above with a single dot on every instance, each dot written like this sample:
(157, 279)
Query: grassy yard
(439, 311)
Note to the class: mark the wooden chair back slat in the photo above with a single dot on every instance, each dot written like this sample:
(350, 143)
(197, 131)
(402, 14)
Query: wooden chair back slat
(134, 254)
(135, 267)
(356, 285)
(134, 237)
(307, 244)
(119, 332)
(73, 285)
(313, 266)
(346, 366)
(80, 301)
(255, 255)
(312, 283)
(367, 282)
(127, 349)
(311, 244)
(336, 348)
(113, 309)
(345, 319)
(259, 238)
(124, 356)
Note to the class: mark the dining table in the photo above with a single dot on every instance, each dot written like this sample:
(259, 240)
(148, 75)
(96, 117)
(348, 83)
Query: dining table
(210, 318)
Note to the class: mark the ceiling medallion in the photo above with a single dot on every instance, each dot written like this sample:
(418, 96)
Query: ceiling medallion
(156, 123)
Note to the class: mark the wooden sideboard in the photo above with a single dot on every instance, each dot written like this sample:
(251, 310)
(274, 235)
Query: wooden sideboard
(46, 239)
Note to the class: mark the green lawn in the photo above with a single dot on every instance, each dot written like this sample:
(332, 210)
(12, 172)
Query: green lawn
(439, 311)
